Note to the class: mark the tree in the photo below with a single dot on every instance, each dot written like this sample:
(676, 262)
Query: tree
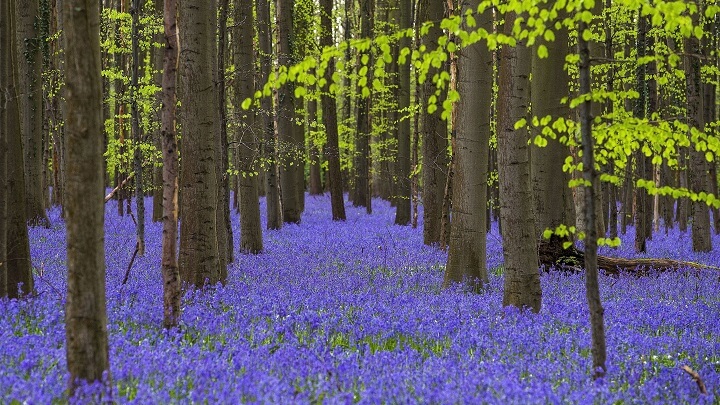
(29, 82)
(330, 119)
(286, 126)
(224, 226)
(137, 136)
(85, 312)
(402, 168)
(244, 60)
(522, 278)
(364, 121)
(466, 257)
(272, 191)
(19, 271)
(5, 59)
(434, 133)
(200, 260)
(170, 271)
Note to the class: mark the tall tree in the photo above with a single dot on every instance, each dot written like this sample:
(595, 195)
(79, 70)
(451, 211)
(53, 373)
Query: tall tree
(643, 164)
(137, 136)
(701, 239)
(364, 120)
(466, 257)
(200, 260)
(402, 168)
(5, 59)
(85, 312)
(158, 53)
(434, 133)
(224, 226)
(19, 271)
(597, 325)
(170, 271)
(329, 114)
(272, 186)
(247, 150)
(286, 126)
(29, 81)
(522, 278)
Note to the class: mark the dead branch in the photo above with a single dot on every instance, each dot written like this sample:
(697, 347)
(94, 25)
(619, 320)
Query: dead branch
(695, 376)
(121, 185)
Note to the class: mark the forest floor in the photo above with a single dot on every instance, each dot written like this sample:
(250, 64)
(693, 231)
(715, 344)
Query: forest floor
(344, 312)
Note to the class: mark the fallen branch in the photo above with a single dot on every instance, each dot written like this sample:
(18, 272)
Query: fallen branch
(121, 185)
(695, 376)
(552, 255)
(132, 260)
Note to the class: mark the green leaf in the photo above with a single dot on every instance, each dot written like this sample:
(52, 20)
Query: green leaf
(566, 245)
(521, 123)
(542, 51)
(547, 233)
(300, 91)
(246, 103)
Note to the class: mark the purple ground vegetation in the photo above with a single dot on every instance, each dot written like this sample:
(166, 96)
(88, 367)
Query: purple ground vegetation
(352, 312)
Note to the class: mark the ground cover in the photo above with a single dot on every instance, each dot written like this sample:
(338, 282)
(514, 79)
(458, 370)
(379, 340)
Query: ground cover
(352, 312)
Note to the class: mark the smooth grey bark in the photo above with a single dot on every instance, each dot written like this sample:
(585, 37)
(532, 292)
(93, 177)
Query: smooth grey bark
(552, 198)
(698, 169)
(522, 276)
(329, 114)
(247, 146)
(402, 168)
(136, 135)
(158, 53)
(289, 149)
(5, 59)
(224, 227)
(272, 186)
(19, 271)
(200, 260)
(315, 180)
(29, 81)
(643, 164)
(361, 196)
(170, 270)
(597, 326)
(85, 312)
(434, 133)
(467, 261)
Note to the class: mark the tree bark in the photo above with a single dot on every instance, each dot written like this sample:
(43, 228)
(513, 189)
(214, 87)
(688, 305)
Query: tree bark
(158, 53)
(85, 312)
(329, 114)
(402, 167)
(137, 137)
(5, 66)
(467, 261)
(247, 147)
(19, 271)
(522, 278)
(29, 80)
(224, 227)
(200, 260)
(361, 196)
(434, 133)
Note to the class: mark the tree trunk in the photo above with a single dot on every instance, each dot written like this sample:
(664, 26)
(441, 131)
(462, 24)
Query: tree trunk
(247, 147)
(157, 63)
(599, 351)
(5, 68)
(272, 187)
(29, 80)
(224, 227)
(434, 133)
(467, 261)
(522, 278)
(316, 187)
(290, 150)
(200, 260)
(402, 166)
(364, 124)
(19, 271)
(137, 137)
(701, 239)
(329, 115)
(85, 312)
(170, 270)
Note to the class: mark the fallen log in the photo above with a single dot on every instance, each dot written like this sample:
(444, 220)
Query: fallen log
(121, 185)
(552, 255)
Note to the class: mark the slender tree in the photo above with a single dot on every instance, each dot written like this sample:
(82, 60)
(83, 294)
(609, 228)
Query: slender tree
(272, 186)
(137, 136)
(522, 278)
(402, 168)
(329, 113)
(466, 257)
(434, 133)
(85, 312)
(19, 271)
(170, 271)
(158, 53)
(247, 150)
(200, 259)
(224, 226)
(5, 59)
(364, 121)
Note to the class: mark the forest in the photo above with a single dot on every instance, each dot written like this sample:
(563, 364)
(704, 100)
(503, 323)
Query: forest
(359, 201)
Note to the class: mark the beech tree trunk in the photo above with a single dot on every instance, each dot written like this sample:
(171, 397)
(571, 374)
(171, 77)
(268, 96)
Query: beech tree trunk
(329, 114)
(170, 270)
(29, 81)
(85, 312)
(137, 137)
(157, 62)
(272, 186)
(467, 261)
(19, 271)
(200, 260)
(5, 66)
(522, 277)
(224, 227)
(361, 196)
(247, 147)
(402, 165)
